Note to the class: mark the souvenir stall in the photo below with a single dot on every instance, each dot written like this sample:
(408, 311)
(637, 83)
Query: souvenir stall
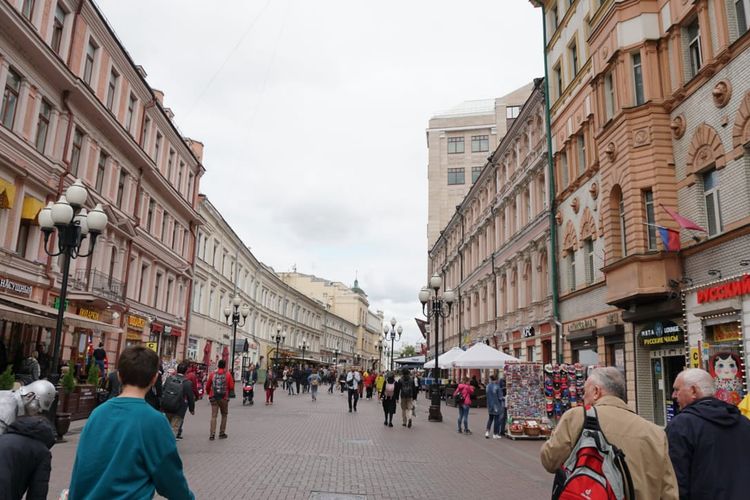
(524, 400)
(563, 388)
(480, 356)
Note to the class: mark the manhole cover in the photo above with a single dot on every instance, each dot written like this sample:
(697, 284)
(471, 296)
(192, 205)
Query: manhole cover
(325, 495)
(357, 441)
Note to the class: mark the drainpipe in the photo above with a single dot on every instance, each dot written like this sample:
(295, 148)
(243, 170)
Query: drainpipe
(494, 285)
(460, 305)
(552, 203)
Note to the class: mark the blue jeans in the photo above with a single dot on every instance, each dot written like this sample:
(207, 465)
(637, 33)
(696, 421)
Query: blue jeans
(463, 414)
(496, 419)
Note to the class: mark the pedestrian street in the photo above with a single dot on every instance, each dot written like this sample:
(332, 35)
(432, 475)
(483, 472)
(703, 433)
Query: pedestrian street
(298, 449)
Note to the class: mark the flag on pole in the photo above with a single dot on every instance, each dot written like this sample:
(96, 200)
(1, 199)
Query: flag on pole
(684, 222)
(670, 238)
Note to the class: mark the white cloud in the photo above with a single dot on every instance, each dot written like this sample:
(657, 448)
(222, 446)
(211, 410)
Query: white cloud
(314, 127)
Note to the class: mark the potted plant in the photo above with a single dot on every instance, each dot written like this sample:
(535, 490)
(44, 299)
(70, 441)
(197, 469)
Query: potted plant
(7, 380)
(68, 385)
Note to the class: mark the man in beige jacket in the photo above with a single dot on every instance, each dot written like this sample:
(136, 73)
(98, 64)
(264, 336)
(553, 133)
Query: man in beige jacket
(643, 443)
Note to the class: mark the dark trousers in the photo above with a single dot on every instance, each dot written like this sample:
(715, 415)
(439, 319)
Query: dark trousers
(494, 419)
(330, 388)
(369, 392)
(352, 395)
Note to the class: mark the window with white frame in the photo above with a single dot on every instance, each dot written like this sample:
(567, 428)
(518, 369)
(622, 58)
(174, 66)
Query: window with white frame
(101, 170)
(75, 151)
(10, 98)
(581, 147)
(58, 24)
(456, 176)
(588, 246)
(27, 9)
(455, 145)
(609, 95)
(480, 143)
(623, 234)
(573, 54)
(88, 65)
(130, 113)
(713, 204)
(512, 112)
(42, 125)
(563, 166)
(694, 47)
(571, 270)
(638, 79)
(648, 201)
(741, 10)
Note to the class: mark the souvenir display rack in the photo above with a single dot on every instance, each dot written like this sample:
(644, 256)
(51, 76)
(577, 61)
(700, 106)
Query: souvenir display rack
(563, 388)
(525, 401)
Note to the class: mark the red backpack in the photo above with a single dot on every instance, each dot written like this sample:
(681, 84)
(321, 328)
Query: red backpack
(595, 468)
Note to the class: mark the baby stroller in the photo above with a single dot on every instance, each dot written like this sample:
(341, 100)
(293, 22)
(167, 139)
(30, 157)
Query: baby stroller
(247, 394)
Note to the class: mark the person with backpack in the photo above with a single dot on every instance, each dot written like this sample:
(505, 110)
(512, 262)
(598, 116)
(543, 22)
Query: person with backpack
(389, 396)
(353, 380)
(314, 380)
(462, 396)
(177, 398)
(406, 392)
(495, 408)
(708, 440)
(591, 463)
(220, 384)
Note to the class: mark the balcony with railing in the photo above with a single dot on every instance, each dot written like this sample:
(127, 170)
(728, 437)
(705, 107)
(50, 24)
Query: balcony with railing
(98, 284)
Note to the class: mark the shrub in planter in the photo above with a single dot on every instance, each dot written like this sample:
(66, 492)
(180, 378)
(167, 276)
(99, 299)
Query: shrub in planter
(93, 377)
(68, 381)
(7, 379)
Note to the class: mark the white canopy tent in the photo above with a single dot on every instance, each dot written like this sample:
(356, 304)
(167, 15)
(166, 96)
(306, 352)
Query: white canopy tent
(482, 356)
(445, 359)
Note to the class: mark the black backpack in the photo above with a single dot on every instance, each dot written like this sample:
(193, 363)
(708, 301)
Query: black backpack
(407, 388)
(172, 396)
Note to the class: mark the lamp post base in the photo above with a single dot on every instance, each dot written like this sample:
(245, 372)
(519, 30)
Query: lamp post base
(435, 415)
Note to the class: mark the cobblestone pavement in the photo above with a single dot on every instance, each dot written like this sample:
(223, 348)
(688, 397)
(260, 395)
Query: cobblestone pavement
(296, 449)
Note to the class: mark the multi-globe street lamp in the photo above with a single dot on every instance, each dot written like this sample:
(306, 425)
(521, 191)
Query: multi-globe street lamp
(235, 311)
(73, 224)
(380, 355)
(279, 339)
(436, 306)
(303, 345)
(390, 333)
(336, 356)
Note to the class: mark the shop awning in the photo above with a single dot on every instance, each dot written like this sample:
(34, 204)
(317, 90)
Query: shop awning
(10, 313)
(69, 319)
(31, 208)
(7, 193)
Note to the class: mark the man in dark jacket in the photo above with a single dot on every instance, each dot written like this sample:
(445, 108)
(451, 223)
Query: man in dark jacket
(708, 441)
(25, 458)
(187, 401)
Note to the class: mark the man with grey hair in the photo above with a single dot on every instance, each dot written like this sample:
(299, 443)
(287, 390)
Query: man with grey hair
(643, 443)
(708, 440)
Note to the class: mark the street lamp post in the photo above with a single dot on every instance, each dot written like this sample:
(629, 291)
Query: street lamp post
(279, 339)
(389, 333)
(435, 306)
(73, 224)
(235, 311)
(380, 355)
(303, 345)
(335, 356)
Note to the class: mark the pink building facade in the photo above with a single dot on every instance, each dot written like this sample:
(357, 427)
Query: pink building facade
(75, 105)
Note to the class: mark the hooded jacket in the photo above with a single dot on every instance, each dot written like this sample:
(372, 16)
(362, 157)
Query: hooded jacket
(708, 444)
(25, 458)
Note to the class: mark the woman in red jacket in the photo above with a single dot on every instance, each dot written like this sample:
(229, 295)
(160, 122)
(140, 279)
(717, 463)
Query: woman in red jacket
(464, 390)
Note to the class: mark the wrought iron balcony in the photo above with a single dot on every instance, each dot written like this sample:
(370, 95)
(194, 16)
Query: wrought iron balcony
(99, 284)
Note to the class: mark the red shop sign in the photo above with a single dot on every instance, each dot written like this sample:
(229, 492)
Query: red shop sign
(739, 286)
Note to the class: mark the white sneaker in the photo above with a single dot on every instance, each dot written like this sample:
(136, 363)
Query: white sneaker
(487, 434)
(496, 436)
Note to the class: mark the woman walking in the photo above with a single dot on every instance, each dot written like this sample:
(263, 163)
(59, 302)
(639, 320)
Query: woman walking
(270, 385)
(495, 406)
(389, 396)
(464, 392)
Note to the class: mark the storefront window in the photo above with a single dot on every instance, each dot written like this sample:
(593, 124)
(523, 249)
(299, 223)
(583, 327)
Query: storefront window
(615, 356)
(169, 347)
(585, 352)
(192, 349)
(722, 343)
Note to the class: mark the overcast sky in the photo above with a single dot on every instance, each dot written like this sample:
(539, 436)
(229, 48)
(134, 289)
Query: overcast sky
(313, 115)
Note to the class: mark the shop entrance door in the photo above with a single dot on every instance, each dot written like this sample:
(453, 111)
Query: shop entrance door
(664, 371)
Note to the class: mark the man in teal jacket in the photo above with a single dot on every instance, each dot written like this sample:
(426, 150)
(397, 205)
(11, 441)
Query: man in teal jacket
(127, 449)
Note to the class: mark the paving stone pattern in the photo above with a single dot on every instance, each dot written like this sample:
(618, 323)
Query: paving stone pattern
(298, 449)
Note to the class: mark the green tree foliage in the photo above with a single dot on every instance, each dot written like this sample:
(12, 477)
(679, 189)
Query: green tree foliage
(408, 351)
(7, 379)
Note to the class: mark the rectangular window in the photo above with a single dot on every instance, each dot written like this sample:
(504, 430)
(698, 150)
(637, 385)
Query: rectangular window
(112, 88)
(741, 8)
(144, 270)
(27, 9)
(157, 285)
(175, 228)
(573, 52)
(150, 215)
(131, 111)
(648, 200)
(75, 152)
(456, 176)
(42, 126)
(167, 304)
(121, 187)
(564, 177)
(190, 188)
(511, 112)
(58, 23)
(558, 79)
(480, 143)
(581, 146)
(22, 242)
(170, 164)
(146, 128)
(179, 175)
(88, 66)
(455, 145)
(100, 170)
(589, 248)
(10, 98)
(164, 224)
(713, 204)
(694, 47)
(555, 16)
(475, 171)
(609, 95)
(571, 270)
(623, 234)
(157, 149)
(638, 80)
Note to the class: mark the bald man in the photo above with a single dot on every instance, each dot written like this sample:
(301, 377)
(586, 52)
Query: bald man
(708, 441)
